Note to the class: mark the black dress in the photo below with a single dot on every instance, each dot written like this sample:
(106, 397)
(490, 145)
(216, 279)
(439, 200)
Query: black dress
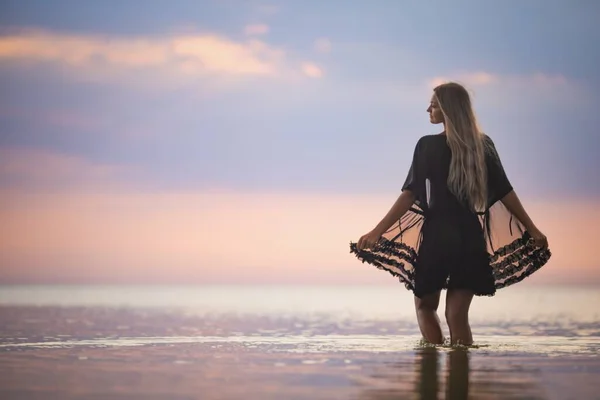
(440, 244)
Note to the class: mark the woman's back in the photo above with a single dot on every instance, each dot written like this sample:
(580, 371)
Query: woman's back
(435, 157)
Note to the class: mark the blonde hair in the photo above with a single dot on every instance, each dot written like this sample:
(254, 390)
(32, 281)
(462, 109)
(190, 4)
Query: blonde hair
(467, 178)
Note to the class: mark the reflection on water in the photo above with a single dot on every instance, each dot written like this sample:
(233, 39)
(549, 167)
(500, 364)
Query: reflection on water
(458, 374)
(447, 374)
(427, 373)
(428, 377)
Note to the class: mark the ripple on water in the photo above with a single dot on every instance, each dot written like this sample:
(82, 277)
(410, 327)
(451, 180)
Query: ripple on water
(538, 345)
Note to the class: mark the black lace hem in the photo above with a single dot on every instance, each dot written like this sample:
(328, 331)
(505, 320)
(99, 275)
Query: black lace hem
(510, 264)
(381, 257)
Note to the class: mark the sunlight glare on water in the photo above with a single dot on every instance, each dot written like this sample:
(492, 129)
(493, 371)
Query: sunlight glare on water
(546, 320)
(375, 302)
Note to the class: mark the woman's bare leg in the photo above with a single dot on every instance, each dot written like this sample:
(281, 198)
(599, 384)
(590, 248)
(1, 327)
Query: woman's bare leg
(429, 322)
(458, 302)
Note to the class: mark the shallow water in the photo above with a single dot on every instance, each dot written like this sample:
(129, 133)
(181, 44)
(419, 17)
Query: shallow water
(290, 342)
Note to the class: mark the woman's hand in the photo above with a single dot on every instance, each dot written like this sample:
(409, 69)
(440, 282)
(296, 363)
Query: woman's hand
(369, 240)
(539, 238)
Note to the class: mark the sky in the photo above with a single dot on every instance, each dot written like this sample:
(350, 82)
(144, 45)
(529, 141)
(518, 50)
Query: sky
(246, 142)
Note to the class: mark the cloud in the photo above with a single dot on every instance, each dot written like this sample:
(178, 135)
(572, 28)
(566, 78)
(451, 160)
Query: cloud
(322, 45)
(267, 9)
(35, 168)
(256, 29)
(62, 118)
(184, 54)
(312, 70)
(535, 91)
(470, 79)
(482, 78)
(549, 80)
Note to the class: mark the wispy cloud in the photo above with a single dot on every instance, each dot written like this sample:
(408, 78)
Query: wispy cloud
(36, 168)
(312, 70)
(256, 29)
(184, 54)
(482, 78)
(62, 118)
(322, 45)
(536, 91)
(267, 9)
(471, 79)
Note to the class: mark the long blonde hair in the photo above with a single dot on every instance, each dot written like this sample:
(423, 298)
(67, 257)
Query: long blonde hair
(467, 179)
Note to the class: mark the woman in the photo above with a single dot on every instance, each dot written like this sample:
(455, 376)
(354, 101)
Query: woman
(458, 224)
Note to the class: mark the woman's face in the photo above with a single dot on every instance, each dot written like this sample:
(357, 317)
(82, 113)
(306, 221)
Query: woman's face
(435, 112)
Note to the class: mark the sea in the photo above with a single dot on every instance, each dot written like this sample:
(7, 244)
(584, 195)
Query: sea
(291, 342)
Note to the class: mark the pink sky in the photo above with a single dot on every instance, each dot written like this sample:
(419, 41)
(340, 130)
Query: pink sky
(116, 235)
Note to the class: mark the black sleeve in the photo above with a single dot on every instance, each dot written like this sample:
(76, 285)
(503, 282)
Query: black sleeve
(498, 183)
(415, 180)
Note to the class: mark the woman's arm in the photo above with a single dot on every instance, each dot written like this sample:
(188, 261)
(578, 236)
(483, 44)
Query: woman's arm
(400, 207)
(513, 204)
(414, 180)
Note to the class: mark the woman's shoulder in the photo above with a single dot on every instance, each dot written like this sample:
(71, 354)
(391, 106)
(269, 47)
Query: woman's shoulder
(490, 146)
(487, 139)
(491, 153)
(438, 138)
(432, 138)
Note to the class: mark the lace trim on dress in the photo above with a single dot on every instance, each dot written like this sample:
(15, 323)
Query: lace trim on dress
(510, 263)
